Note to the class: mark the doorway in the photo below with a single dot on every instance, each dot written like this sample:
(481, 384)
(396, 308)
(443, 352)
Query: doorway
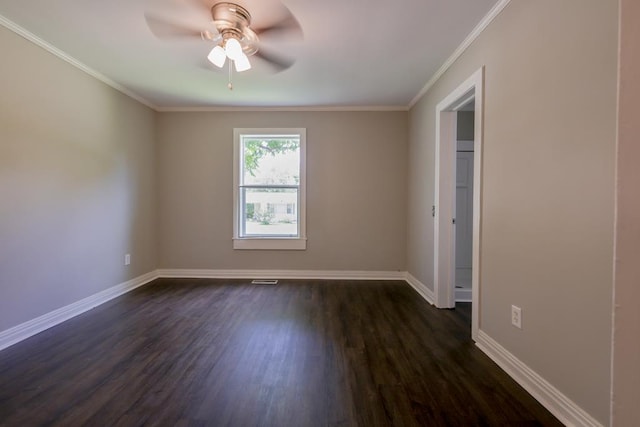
(464, 204)
(469, 93)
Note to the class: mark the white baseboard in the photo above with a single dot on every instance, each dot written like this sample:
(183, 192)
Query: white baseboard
(463, 295)
(282, 274)
(420, 287)
(550, 397)
(567, 411)
(27, 329)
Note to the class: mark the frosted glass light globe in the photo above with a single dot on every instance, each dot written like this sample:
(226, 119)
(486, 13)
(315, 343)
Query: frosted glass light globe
(242, 63)
(233, 49)
(217, 56)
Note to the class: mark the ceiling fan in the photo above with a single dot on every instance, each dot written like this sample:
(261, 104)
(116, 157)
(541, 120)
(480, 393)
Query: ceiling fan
(228, 29)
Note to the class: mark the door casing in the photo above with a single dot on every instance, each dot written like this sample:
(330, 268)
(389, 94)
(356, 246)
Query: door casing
(444, 229)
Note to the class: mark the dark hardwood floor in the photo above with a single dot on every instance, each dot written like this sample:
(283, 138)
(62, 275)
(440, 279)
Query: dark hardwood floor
(227, 353)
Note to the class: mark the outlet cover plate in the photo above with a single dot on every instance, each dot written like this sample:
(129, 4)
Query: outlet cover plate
(516, 316)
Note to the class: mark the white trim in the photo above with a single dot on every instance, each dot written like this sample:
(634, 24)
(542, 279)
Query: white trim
(231, 109)
(298, 242)
(489, 17)
(10, 25)
(444, 230)
(32, 327)
(444, 200)
(420, 288)
(551, 398)
(567, 411)
(281, 274)
(464, 295)
(463, 145)
(27, 329)
(478, 149)
(462, 102)
(284, 244)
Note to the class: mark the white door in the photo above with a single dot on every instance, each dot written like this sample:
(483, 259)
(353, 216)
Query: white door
(464, 221)
(445, 198)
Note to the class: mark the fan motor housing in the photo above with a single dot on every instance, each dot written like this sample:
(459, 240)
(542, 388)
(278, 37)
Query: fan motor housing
(231, 13)
(232, 21)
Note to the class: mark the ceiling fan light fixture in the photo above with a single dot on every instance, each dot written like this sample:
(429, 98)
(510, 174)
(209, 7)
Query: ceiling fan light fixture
(232, 48)
(217, 56)
(229, 33)
(242, 63)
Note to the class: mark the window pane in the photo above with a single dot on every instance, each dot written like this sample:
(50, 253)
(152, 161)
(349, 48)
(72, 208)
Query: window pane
(273, 161)
(269, 212)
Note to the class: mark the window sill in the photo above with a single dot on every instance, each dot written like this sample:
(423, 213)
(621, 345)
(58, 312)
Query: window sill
(285, 244)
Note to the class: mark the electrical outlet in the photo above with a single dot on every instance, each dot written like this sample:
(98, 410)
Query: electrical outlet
(127, 259)
(516, 316)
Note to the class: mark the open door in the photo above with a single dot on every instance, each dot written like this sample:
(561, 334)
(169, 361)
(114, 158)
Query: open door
(445, 193)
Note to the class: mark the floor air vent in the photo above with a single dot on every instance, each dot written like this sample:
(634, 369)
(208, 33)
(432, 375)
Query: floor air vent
(264, 282)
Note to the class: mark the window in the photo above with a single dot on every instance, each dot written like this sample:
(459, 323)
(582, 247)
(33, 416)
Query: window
(269, 189)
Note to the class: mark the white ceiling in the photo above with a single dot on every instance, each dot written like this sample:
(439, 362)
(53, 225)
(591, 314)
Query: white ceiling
(354, 53)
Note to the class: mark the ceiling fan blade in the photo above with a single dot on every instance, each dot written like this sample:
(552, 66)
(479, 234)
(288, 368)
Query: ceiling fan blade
(164, 28)
(199, 5)
(286, 27)
(279, 62)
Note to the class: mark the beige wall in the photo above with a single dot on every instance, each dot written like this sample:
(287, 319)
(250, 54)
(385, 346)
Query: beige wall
(356, 197)
(76, 184)
(626, 373)
(548, 180)
(80, 165)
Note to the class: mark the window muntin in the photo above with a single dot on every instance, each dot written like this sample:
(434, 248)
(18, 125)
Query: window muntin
(269, 189)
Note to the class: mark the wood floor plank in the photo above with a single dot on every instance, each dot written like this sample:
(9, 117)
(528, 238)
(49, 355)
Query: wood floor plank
(205, 352)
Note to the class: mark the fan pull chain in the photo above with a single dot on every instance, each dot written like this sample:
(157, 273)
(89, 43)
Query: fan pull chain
(230, 84)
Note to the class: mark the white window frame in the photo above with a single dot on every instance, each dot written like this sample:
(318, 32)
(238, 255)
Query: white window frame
(270, 242)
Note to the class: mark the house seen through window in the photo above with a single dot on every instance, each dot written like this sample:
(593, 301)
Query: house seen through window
(269, 189)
